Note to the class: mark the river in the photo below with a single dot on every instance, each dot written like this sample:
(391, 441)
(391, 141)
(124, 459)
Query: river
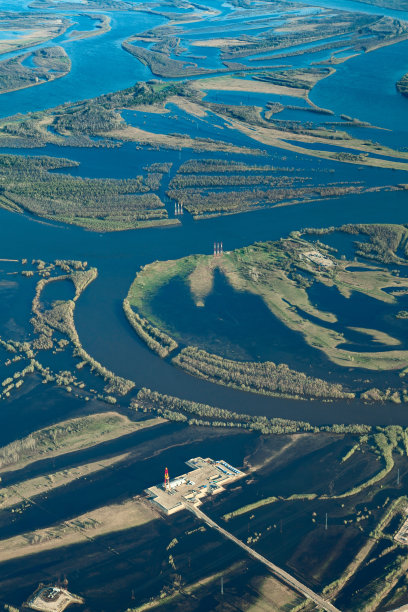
(100, 66)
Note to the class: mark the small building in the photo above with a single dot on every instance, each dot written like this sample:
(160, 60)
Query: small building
(52, 598)
(318, 258)
(176, 482)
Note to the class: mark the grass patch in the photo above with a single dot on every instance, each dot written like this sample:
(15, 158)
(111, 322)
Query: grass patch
(68, 436)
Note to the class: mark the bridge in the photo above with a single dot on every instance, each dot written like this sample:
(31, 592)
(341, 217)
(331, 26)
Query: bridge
(276, 570)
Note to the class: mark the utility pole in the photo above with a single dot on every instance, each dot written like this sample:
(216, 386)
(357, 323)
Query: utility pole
(325, 526)
(222, 585)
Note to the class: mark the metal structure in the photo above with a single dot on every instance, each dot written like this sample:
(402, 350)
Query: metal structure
(218, 249)
(166, 480)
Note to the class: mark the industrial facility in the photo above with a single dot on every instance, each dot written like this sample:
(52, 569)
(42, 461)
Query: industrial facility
(52, 599)
(207, 477)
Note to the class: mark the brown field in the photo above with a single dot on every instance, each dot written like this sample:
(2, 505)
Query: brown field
(232, 84)
(89, 526)
(219, 42)
(170, 141)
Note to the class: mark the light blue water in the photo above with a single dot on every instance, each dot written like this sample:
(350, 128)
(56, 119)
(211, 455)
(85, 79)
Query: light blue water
(360, 7)
(11, 34)
(14, 5)
(364, 88)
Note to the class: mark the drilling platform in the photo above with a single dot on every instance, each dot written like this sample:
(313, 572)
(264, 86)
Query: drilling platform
(207, 477)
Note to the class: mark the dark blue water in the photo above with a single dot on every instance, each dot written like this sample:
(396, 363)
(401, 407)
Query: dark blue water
(363, 311)
(119, 255)
(214, 326)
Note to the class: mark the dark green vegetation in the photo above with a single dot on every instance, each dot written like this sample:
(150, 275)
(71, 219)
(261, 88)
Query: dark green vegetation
(54, 331)
(299, 79)
(266, 377)
(281, 274)
(351, 157)
(387, 243)
(402, 85)
(206, 195)
(63, 437)
(75, 123)
(161, 65)
(208, 187)
(366, 32)
(194, 413)
(155, 339)
(97, 204)
(94, 117)
(205, 166)
(49, 63)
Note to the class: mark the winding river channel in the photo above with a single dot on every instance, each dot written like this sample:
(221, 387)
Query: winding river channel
(363, 87)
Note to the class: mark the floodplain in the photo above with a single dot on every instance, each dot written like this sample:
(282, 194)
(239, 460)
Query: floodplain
(258, 127)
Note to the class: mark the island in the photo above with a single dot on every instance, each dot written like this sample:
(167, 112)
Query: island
(282, 274)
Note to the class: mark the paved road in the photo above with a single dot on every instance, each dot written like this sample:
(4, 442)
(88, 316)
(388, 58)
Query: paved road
(284, 576)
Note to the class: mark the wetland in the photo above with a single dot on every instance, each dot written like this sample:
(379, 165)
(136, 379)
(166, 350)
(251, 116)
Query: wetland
(258, 313)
